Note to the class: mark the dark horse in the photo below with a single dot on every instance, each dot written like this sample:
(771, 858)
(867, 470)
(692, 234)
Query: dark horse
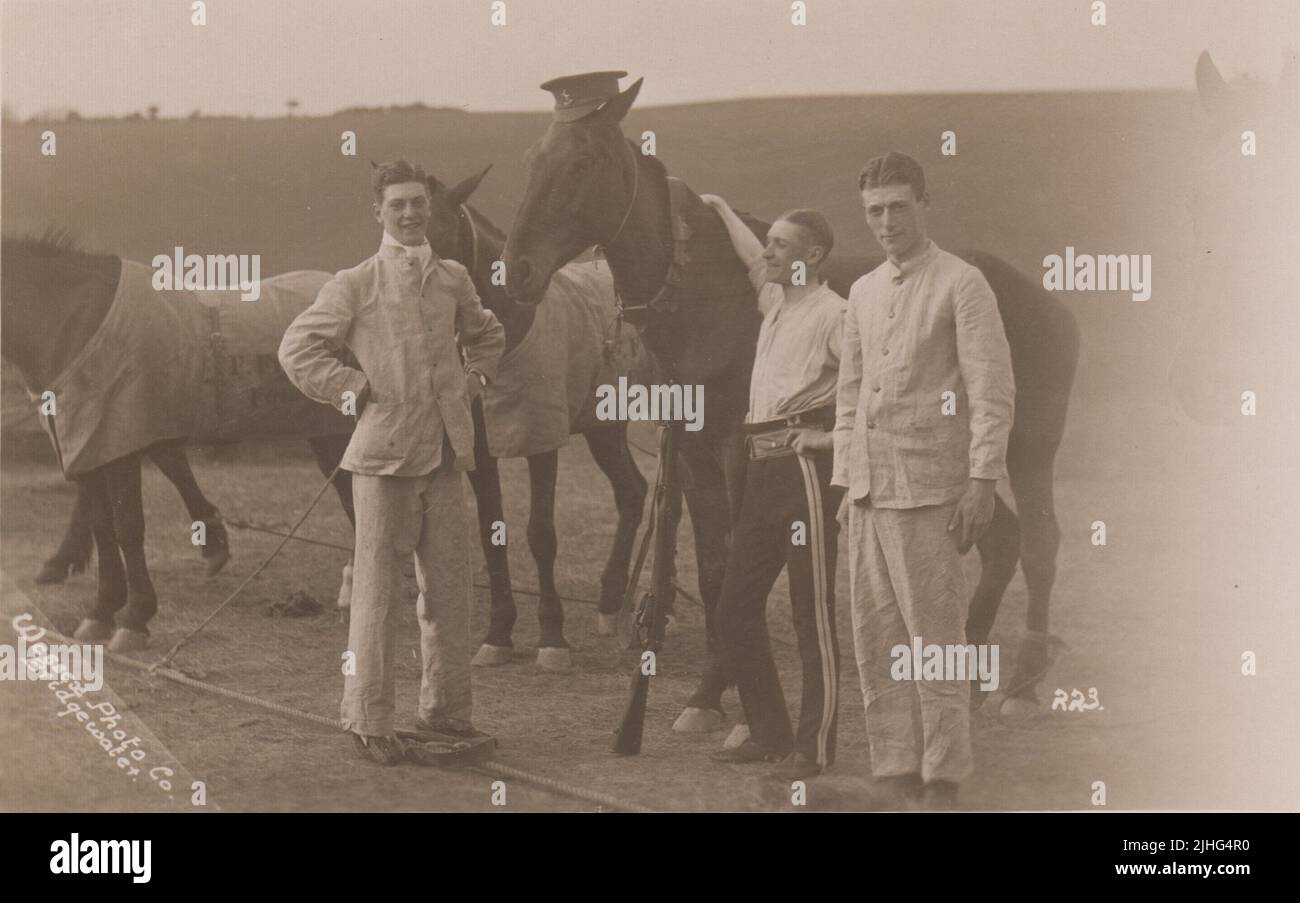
(588, 185)
(456, 230)
(55, 298)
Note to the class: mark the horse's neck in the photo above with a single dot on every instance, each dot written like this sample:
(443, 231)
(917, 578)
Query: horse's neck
(639, 255)
(516, 319)
(706, 340)
(73, 306)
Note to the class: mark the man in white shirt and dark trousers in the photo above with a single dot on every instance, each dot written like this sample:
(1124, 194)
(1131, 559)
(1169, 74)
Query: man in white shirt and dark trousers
(788, 513)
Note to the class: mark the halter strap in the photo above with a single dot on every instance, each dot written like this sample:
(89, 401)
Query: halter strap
(636, 184)
(663, 299)
(473, 238)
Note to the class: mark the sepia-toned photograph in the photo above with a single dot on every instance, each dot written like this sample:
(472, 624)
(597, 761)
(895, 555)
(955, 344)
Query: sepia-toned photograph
(562, 406)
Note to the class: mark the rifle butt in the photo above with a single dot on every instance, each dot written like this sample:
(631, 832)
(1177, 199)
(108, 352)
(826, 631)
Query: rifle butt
(627, 738)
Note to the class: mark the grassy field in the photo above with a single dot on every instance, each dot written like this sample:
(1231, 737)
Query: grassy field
(1196, 570)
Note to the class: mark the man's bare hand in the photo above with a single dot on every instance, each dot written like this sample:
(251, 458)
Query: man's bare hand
(473, 385)
(974, 513)
(713, 201)
(809, 442)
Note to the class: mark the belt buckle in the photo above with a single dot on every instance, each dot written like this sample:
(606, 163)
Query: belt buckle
(770, 444)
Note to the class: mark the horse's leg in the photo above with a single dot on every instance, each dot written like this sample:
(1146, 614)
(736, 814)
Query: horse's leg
(171, 459)
(110, 591)
(552, 649)
(497, 647)
(122, 478)
(999, 550)
(608, 446)
(328, 452)
(1040, 539)
(707, 499)
(78, 540)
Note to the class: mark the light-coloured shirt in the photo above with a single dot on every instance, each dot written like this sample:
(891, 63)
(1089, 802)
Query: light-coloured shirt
(402, 325)
(926, 395)
(421, 252)
(797, 361)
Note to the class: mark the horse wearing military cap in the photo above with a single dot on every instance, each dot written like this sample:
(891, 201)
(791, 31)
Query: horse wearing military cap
(577, 96)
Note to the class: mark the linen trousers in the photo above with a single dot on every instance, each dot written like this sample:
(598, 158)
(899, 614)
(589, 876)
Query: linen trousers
(424, 517)
(905, 581)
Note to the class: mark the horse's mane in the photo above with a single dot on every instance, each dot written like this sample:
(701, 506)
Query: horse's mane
(57, 252)
(654, 162)
(54, 242)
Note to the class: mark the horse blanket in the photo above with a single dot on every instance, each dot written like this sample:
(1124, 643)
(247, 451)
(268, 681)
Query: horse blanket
(200, 365)
(545, 389)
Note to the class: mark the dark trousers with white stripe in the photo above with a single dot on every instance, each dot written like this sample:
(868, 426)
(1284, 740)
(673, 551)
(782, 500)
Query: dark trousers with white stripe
(781, 493)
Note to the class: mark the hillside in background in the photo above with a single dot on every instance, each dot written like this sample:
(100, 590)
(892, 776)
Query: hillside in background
(1105, 173)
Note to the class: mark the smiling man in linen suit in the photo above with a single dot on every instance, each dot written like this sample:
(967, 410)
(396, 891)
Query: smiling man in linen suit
(401, 313)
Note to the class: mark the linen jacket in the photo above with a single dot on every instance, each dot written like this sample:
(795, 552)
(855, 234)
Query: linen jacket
(402, 323)
(911, 335)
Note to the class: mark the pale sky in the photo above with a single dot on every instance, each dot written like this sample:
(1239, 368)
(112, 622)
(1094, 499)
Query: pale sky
(110, 57)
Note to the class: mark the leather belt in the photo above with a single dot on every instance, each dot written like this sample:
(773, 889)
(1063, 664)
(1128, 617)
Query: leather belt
(822, 418)
(771, 438)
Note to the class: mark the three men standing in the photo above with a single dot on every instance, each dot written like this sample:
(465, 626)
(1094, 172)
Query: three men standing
(401, 313)
(903, 401)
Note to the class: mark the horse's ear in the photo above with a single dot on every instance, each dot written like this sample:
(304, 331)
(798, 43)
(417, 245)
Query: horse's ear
(461, 191)
(1215, 93)
(616, 107)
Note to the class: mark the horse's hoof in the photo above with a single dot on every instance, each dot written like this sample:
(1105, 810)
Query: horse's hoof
(1015, 707)
(606, 625)
(697, 721)
(92, 631)
(345, 588)
(739, 734)
(52, 572)
(555, 659)
(489, 656)
(128, 640)
(212, 564)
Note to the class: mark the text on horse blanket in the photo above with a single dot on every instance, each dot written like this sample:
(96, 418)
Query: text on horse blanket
(185, 364)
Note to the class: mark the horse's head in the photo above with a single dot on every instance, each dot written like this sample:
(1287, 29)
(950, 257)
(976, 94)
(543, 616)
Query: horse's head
(1247, 238)
(1245, 168)
(450, 230)
(580, 188)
